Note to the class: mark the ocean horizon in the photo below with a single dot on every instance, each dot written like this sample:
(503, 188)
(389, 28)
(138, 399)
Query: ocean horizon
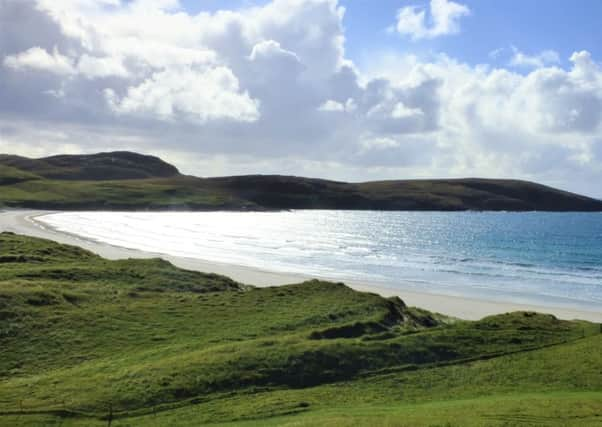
(552, 259)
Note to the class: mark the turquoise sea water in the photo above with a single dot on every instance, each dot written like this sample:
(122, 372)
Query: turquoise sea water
(551, 258)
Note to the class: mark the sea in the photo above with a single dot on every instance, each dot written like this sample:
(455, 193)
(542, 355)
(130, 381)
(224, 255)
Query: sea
(530, 258)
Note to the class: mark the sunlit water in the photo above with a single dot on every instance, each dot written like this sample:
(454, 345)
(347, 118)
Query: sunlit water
(534, 258)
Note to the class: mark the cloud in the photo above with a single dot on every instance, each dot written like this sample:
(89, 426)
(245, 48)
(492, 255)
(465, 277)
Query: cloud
(36, 58)
(496, 53)
(99, 67)
(270, 89)
(332, 106)
(539, 60)
(443, 20)
(400, 111)
(202, 95)
(348, 106)
(496, 122)
(271, 49)
(378, 143)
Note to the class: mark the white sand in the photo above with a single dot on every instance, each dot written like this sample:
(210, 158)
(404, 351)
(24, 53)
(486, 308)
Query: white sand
(23, 222)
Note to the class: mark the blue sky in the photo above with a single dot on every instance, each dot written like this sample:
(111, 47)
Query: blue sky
(529, 25)
(391, 90)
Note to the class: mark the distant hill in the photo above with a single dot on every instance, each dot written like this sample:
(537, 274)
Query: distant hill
(94, 167)
(274, 192)
(131, 181)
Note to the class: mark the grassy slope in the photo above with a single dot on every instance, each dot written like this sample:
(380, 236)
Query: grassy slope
(101, 166)
(154, 193)
(131, 181)
(105, 181)
(81, 336)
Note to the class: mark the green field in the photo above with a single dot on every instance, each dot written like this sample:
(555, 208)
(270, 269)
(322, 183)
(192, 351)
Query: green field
(89, 342)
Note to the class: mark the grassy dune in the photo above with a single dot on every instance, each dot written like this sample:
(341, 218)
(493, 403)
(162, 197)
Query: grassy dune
(140, 342)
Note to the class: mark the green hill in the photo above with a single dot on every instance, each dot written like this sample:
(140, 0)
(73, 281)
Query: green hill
(85, 341)
(130, 181)
(93, 167)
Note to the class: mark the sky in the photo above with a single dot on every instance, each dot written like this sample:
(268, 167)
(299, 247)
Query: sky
(351, 90)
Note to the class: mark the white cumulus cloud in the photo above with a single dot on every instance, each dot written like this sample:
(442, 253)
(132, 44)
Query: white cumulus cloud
(270, 89)
(541, 59)
(202, 95)
(441, 19)
(36, 58)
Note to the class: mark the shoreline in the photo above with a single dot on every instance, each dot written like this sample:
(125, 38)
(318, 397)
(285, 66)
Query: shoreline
(23, 222)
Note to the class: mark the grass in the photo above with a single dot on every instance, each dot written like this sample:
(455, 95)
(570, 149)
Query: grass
(83, 339)
(10, 175)
(155, 193)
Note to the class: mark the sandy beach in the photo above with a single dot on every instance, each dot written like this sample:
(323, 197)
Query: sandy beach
(24, 222)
